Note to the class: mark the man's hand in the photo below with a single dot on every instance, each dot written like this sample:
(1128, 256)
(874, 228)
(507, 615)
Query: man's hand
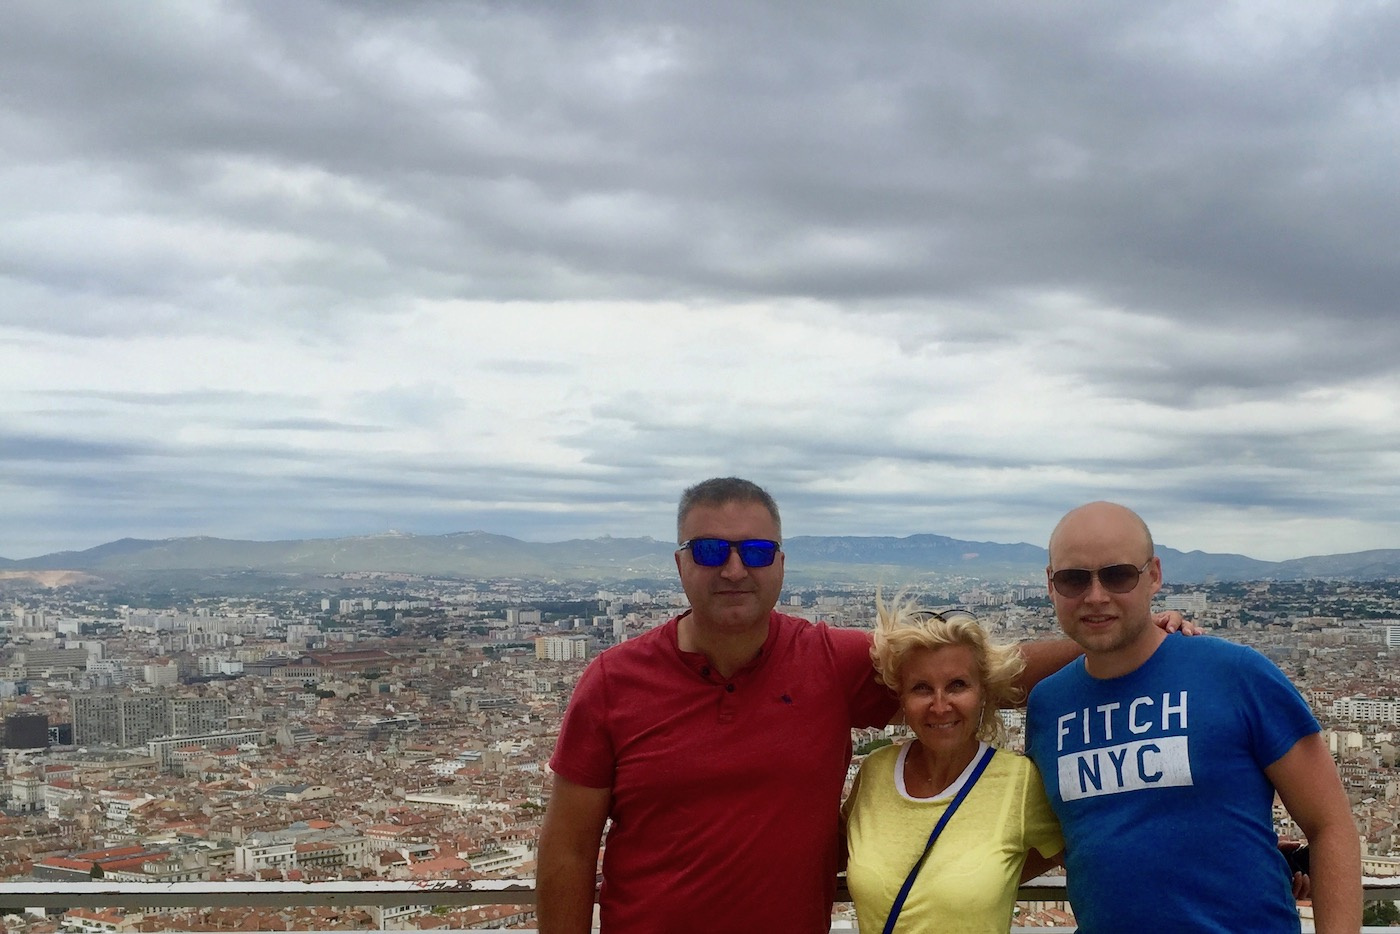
(1302, 886)
(1172, 621)
(1297, 854)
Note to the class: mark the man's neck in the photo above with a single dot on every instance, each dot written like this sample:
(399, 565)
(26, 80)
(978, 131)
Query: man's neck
(727, 652)
(1130, 658)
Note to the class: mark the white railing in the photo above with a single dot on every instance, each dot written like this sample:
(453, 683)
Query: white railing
(16, 897)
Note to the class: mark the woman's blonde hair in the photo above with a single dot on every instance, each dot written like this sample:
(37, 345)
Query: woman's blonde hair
(902, 626)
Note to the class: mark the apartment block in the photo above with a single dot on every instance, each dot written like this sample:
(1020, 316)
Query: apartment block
(131, 720)
(561, 648)
(1366, 710)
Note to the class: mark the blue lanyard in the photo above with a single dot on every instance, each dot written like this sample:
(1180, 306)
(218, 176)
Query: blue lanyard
(937, 829)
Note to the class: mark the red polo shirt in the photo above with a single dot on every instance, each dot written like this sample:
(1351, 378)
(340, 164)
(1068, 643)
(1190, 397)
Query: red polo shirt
(725, 792)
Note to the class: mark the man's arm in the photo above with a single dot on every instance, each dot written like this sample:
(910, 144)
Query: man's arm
(1043, 659)
(1037, 865)
(568, 857)
(1308, 785)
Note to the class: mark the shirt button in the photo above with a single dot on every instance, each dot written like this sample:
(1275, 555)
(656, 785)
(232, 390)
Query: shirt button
(729, 688)
(705, 672)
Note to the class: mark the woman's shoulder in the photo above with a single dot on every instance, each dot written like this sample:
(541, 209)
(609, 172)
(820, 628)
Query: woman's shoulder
(1012, 762)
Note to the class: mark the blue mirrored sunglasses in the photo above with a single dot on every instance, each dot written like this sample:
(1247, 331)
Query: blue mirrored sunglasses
(714, 552)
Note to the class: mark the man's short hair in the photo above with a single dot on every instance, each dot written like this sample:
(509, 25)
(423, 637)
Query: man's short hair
(718, 491)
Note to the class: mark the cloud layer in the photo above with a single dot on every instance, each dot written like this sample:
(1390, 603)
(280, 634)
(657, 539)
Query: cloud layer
(272, 270)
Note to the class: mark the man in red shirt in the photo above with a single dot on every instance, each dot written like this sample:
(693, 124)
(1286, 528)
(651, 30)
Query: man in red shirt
(718, 745)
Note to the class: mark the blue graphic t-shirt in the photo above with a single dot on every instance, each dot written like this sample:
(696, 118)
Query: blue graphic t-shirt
(1158, 780)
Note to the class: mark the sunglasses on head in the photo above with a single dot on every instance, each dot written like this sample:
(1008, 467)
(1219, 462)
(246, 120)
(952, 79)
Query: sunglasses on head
(1116, 578)
(714, 552)
(946, 616)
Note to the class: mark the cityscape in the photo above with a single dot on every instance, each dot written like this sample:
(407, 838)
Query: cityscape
(353, 357)
(393, 726)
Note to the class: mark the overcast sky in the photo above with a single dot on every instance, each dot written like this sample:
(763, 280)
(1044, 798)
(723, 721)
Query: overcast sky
(283, 270)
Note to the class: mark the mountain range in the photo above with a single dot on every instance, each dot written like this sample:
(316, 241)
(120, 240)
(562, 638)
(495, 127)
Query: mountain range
(809, 558)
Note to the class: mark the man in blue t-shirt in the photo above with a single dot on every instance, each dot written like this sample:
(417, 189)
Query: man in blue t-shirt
(1161, 755)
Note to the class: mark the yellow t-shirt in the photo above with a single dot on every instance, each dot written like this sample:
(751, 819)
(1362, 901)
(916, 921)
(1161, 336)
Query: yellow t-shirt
(969, 881)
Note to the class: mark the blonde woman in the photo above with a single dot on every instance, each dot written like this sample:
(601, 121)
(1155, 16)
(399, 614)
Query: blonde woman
(987, 804)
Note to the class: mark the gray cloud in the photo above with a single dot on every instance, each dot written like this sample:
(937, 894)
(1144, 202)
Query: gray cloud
(17, 448)
(873, 154)
(961, 262)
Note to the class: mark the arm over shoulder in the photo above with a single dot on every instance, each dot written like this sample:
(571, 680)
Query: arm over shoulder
(1044, 658)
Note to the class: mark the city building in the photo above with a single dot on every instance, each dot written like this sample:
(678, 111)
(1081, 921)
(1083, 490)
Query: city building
(164, 674)
(1186, 603)
(561, 648)
(190, 715)
(45, 663)
(26, 731)
(131, 720)
(1366, 710)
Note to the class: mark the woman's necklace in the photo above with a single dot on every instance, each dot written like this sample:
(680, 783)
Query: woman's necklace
(921, 785)
(918, 775)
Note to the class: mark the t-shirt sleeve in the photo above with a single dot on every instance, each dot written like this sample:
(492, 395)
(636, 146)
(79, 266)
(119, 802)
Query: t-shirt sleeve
(1042, 830)
(1276, 714)
(870, 702)
(1034, 714)
(584, 752)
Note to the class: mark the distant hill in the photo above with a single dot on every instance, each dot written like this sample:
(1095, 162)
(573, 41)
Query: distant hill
(461, 554)
(482, 554)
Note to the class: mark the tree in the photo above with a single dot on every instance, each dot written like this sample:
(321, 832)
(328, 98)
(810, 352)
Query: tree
(1380, 914)
(96, 872)
(866, 748)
